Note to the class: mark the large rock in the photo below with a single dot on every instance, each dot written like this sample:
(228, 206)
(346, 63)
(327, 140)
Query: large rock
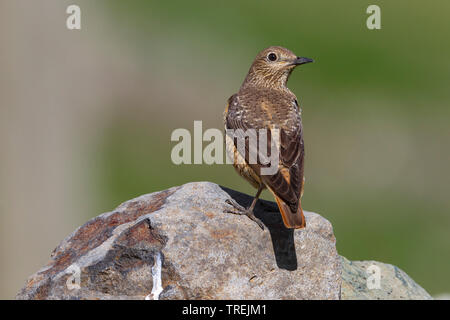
(204, 252)
(180, 244)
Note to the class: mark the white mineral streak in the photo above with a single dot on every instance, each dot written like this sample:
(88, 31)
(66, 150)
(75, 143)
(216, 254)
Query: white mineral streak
(157, 283)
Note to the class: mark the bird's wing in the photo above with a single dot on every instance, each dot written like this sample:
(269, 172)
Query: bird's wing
(287, 182)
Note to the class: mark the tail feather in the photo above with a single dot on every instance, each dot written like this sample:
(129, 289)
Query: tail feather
(292, 220)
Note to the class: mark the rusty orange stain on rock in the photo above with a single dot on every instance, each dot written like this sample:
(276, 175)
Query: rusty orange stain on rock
(95, 232)
(139, 233)
(218, 234)
(209, 214)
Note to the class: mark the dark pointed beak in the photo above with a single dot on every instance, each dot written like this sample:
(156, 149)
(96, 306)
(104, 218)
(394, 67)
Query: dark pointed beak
(302, 60)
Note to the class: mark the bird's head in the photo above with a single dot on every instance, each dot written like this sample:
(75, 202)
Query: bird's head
(272, 67)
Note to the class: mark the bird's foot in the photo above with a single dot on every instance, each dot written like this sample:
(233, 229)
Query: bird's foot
(240, 210)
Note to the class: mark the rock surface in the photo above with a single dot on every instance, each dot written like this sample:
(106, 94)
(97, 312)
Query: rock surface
(394, 283)
(179, 244)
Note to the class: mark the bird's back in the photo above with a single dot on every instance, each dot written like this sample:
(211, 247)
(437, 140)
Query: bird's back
(265, 108)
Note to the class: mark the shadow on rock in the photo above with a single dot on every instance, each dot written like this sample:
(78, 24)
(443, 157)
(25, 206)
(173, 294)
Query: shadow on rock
(282, 237)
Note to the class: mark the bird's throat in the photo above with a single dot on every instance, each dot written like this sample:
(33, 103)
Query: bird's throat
(271, 80)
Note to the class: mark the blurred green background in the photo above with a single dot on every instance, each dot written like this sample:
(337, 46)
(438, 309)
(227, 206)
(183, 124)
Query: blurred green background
(87, 117)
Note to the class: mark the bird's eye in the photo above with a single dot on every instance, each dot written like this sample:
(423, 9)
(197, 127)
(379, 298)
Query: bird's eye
(272, 57)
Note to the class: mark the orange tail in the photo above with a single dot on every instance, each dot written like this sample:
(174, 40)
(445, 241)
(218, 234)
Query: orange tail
(292, 220)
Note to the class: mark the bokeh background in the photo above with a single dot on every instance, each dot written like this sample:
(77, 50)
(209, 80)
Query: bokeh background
(86, 116)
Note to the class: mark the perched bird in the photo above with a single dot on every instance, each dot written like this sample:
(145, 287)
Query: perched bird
(265, 102)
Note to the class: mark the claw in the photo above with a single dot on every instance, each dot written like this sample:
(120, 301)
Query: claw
(252, 217)
(240, 210)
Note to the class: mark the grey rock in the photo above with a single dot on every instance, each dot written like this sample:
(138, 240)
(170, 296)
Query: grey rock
(180, 244)
(394, 283)
(205, 253)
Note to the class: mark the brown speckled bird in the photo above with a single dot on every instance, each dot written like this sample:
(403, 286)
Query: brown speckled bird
(265, 102)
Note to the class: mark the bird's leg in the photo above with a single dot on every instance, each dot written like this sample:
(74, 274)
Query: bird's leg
(249, 211)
